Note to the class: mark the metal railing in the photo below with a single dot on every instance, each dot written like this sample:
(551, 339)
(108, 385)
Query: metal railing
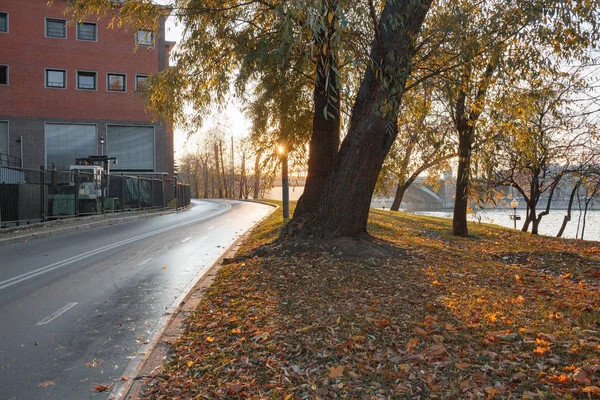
(29, 196)
(9, 161)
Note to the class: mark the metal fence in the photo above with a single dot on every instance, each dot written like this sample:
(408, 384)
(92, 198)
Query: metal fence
(30, 196)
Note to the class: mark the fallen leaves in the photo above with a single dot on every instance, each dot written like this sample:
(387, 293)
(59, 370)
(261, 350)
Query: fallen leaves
(446, 318)
(46, 384)
(336, 372)
(101, 388)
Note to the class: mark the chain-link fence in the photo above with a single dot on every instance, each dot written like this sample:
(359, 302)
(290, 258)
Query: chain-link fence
(29, 196)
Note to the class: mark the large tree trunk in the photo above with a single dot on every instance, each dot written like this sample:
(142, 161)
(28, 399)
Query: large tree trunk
(534, 221)
(343, 206)
(325, 139)
(461, 201)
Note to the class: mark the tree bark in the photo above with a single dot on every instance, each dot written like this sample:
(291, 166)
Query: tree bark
(343, 207)
(461, 201)
(225, 184)
(567, 217)
(219, 186)
(325, 139)
(399, 195)
(256, 177)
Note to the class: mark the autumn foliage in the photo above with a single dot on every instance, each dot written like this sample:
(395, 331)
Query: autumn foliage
(499, 315)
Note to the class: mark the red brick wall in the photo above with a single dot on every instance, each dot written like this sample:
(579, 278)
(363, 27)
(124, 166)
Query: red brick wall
(27, 52)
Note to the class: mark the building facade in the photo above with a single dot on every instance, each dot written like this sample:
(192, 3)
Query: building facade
(70, 90)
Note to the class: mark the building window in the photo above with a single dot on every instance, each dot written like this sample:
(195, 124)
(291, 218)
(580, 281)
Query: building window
(116, 82)
(132, 145)
(56, 28)
(66, 142)
(87, 31)
(141, 83)
(3, 22)
(3, 74)
(3, 137)
(86, 80)
(56, 78)
(144, 38)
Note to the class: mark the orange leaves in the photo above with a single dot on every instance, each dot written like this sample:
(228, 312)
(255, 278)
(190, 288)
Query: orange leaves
(382, 323)
(101, 388)
(210, 339)
(412, 344)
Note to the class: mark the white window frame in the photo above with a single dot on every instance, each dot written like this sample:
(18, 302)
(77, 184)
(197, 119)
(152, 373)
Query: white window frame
(124, 82)
(87, 23)
(55, 69)
(152, 38)
(46, 27)
(136, 80)
(7, 22)
(86, 72)
(7, 75)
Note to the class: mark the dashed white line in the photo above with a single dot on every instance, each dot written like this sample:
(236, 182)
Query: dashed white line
(210, 228)
(185, 240)
(56, 314)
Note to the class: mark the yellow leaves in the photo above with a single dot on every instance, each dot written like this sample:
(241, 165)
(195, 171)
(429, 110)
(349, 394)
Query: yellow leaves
(566, 276)
(190, 363)
(518, 278)
(336, 372)
(492, 317)
(520, 300)
(164, 267)
(236, 331)
(412, 344)
(210, 339)
(436, 283)
(330, 16)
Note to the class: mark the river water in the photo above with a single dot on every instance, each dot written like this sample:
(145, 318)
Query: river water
(550, 224)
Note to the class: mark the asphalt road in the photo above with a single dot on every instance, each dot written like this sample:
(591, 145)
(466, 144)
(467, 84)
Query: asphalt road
(75, 309)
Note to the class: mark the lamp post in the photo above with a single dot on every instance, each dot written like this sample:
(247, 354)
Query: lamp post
(285, 185)
(514, 204)
(101, 145)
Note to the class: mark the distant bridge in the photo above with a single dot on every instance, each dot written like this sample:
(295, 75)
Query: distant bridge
(418, 197)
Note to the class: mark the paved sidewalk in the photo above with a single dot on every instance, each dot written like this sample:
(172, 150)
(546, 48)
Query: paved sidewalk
(51, 228)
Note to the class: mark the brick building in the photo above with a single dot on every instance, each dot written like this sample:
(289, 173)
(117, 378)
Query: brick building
(71, 90)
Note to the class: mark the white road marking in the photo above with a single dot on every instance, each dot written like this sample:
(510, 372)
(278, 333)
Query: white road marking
(146, 261)
(31, 274)
(56, 314)
(210, 228)
(185, 240)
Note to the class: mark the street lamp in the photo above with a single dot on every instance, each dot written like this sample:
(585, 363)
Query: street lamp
(514, 204)
(285, 185)
(101, 145)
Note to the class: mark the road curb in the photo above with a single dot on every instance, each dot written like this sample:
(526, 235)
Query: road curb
(156, 351)
(76, 226)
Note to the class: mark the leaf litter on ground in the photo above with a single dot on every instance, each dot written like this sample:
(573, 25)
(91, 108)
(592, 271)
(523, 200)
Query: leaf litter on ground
(501, 314)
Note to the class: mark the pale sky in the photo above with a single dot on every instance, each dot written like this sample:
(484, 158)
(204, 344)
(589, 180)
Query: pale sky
(231, 117)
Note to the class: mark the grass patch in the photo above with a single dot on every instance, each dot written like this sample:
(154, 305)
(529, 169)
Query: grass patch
(500, 315)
